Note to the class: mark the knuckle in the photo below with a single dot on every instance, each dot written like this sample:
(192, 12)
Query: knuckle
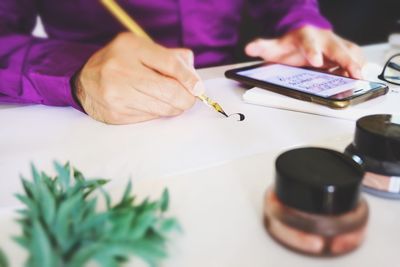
(108, 66)
(178, 112)
(188, 102)
(190, 81)
(182, 99)
(172, 61)
(127, 38)
(173, 92)
(124, 36)
(354, 49)
(311, 50)
(352, 46)
(113, 117)
(258, 41)
(170, 95)
(166, 110)
(108, 97)
(187, 54)
(167, 91)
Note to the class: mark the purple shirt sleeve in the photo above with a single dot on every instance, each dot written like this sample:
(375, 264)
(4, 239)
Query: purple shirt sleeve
(34, 70)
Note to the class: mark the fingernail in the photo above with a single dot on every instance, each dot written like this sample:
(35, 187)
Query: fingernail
(357, 73)
(317, 60)
(198, 89)
(191, 60)
(253, 49)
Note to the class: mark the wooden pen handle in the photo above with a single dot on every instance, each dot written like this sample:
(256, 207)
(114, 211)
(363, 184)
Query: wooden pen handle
(124, 18)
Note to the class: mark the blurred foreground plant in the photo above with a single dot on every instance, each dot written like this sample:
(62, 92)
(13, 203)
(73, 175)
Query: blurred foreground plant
(62, 228)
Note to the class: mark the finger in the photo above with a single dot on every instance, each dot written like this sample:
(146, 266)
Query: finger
(269, 50)
(309, 46)
(339, 71)
(128, 89)
(339, 54)
(145, 90)
(168, 63)
(164, 89)
(294, 59)
(122, 119)
(328, 65)
(137, 100)
(356, 52)
(186, 54)
(110, 116)
(134, 119)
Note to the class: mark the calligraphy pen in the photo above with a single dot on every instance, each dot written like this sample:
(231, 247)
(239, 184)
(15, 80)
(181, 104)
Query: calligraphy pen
(131, 25)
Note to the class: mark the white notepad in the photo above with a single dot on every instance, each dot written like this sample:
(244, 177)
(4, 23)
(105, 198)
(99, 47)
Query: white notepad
(387, 104)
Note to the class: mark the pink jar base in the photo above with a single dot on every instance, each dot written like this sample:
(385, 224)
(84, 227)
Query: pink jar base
(313, 234)
(382, 185)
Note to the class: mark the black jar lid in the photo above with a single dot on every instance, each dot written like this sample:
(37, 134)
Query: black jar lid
(318, 180)
(378, 136)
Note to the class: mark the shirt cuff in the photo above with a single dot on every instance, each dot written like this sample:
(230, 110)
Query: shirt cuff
(70, 98)
(73, 88)
(52, 78)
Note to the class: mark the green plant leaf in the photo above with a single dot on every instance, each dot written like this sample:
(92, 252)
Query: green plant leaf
(42, 254)
(29, 188)
(22, 241)
(107, 197)
(164, 202)
(127, 192)
(61, 226)
(142, 224)
(3, 259)
(47, 203)
(84, 254)
(64, 174)
(168, 225)
(35, 174)
(149, 251)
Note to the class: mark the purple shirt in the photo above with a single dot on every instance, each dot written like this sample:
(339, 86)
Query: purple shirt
(35, 70)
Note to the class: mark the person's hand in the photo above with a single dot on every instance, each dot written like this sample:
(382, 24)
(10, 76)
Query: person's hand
(311, 47)
(132, 80)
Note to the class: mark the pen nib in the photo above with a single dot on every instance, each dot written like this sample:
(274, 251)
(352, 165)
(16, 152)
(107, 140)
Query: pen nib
(208, 101)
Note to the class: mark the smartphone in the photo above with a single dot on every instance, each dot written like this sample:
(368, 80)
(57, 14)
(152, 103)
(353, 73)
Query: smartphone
(309, 85)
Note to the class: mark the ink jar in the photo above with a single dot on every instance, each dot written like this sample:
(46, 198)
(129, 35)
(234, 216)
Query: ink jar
(376, 146)
(315, 206)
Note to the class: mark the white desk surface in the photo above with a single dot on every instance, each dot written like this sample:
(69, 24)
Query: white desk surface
(217, 171)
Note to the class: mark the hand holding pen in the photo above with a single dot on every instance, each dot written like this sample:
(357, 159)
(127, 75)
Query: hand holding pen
(132, 80)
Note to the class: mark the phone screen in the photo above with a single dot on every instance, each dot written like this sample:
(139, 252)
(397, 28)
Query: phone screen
(308, 81)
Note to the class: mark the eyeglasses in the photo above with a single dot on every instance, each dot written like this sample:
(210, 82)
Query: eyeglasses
(391, 71)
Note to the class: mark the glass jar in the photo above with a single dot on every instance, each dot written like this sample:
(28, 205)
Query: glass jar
(376, 147)
(315, 207)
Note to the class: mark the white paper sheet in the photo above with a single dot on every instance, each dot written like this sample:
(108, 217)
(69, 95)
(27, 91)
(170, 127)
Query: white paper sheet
(198, 139)
(388, 104)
